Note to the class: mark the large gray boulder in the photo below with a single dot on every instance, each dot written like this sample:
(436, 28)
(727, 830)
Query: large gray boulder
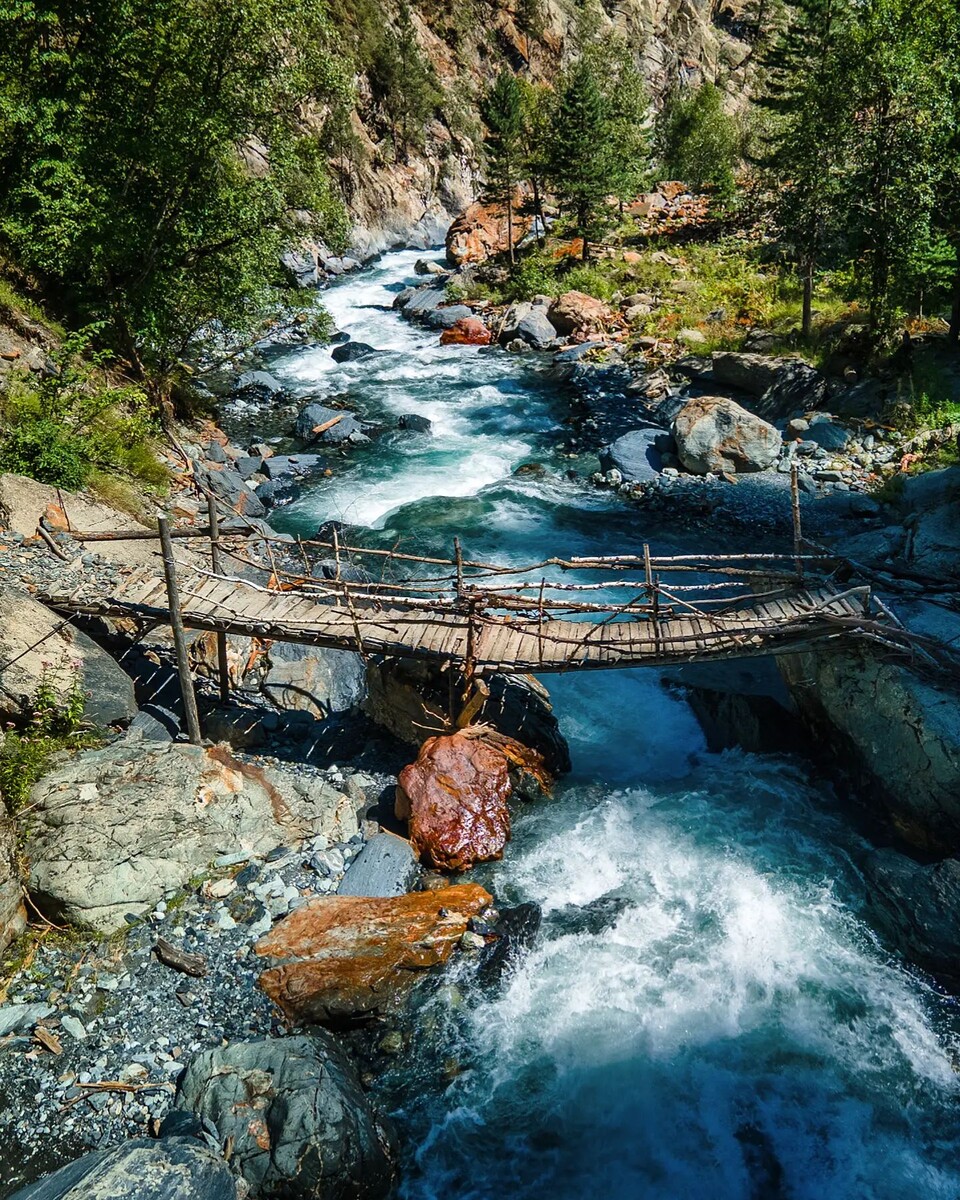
(299, 1122)
(386, 866)
(311, 678)
(933, 542)
(637, 455)
(447, 316)
(782, 385)
(115, 830)
(169, 1169)
(230, 487)
(715, 434)
(314, 416)
(535, 328)
(38, 652)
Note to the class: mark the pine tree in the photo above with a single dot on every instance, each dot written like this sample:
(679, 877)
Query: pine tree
(537, 102)
(579, 158)
(404, 82)
(809, 143)
(697, 140)
(503, 113)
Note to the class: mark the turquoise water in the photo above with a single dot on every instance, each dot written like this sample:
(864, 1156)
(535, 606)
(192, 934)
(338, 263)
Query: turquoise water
(738, 1032)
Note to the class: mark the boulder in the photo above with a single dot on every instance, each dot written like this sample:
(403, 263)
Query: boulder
(480, 232)
(933, 542)
(13, 915)
(414, 423)
(638, 455)
(172, 1168)
(797, 387)
(311, 678)
(455, 800)
(302, 268)
(424, 266)
(422, 301)
(259, 385)
(275, 493)
(715, 434)
(336, 426)
(578, 313)
(293, 466)
(386, 866)
(916, 907)
(230, 487)
(353, 352)
(468, 331)
(343, 958)
(536, 329)
(37, 652)
(448, 315)
(404, 696)
(750, 373)
(299, 1122)
(828, 435)
(115, 830)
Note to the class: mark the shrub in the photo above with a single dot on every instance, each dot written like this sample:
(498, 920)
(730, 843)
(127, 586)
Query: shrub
(697, 141)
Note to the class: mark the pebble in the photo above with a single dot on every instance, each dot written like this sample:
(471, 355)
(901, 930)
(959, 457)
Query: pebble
(74, 1027)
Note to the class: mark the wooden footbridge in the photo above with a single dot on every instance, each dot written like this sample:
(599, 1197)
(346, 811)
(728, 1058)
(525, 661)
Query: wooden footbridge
(553, 615)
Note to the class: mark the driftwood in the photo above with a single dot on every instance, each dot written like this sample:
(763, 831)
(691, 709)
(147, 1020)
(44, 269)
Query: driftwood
(180, 960)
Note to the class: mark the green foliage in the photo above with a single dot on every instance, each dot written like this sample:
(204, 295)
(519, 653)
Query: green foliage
(697, 141)
(53, 723)
(503, 113)
(70, 424)
(152, 154)
(579, 167)
(404, 83)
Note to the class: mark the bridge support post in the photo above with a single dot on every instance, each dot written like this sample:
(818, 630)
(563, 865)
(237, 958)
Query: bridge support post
(179, 639)
(223, 669)
(795, 510)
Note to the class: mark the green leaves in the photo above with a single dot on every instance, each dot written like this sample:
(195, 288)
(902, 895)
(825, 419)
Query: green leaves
(153, 153)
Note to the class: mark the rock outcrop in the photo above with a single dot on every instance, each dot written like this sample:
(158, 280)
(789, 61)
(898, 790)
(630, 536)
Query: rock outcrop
(40, 649)
(171, 1168)
(455, 800)
(344, 958)
(480, 232)
(296, 1116)
(13, 915)
(715, 434)
(113, 831)
(405, 696)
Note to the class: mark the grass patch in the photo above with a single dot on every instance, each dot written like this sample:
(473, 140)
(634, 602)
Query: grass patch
(64, 429)
(54, 723)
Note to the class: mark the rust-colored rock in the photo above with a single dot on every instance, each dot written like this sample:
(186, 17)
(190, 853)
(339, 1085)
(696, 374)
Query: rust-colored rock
(480, 232)
(455, 798)
(576, 312)
(468, 331)
(341, 958)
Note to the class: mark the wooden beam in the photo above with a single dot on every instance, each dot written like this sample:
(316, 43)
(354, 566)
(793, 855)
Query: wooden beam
(179, 638)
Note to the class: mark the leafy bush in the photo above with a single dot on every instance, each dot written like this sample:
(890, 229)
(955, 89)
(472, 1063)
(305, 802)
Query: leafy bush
(54, 723)
(698, 141)
(65, 427)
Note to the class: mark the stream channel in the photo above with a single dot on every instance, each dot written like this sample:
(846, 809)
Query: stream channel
(738, 1031)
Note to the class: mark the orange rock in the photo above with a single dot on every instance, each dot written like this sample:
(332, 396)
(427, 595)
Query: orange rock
(480, 232)
(56, 518)
(468, 331)
(455, 798)
(345, 957)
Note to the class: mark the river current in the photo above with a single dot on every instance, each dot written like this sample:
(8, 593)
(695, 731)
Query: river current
(738, 1031)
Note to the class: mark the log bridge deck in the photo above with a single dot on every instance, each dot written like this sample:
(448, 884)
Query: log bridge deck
(497, 618)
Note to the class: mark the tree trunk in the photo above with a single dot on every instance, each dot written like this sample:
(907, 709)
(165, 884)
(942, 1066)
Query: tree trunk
(513, 258)
(538, 213)
(806, 324)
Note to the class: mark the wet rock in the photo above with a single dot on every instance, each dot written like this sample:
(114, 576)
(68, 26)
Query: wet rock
(577, 313)
(169, 1169)
(714, 434)
(455, 800)
(335, 426)
(386, 866)
(115, 830)
(514, 936)
(259, 384)
(592, 918)
(38, 652)
(415, 423)
(293, 466)
(299, 1122)
(916, 907)
(420, 302)
(638, 455)
(404, 696)
(343, 958)
(353, 352)
(468, 331)
(275, 493)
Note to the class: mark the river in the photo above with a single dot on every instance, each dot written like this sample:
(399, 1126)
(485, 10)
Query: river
(738, 1032)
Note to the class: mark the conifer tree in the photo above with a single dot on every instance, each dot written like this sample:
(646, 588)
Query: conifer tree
(579, 158)
(503, 113)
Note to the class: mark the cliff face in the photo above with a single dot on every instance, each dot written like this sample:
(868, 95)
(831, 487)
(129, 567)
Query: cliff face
(392, 202)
